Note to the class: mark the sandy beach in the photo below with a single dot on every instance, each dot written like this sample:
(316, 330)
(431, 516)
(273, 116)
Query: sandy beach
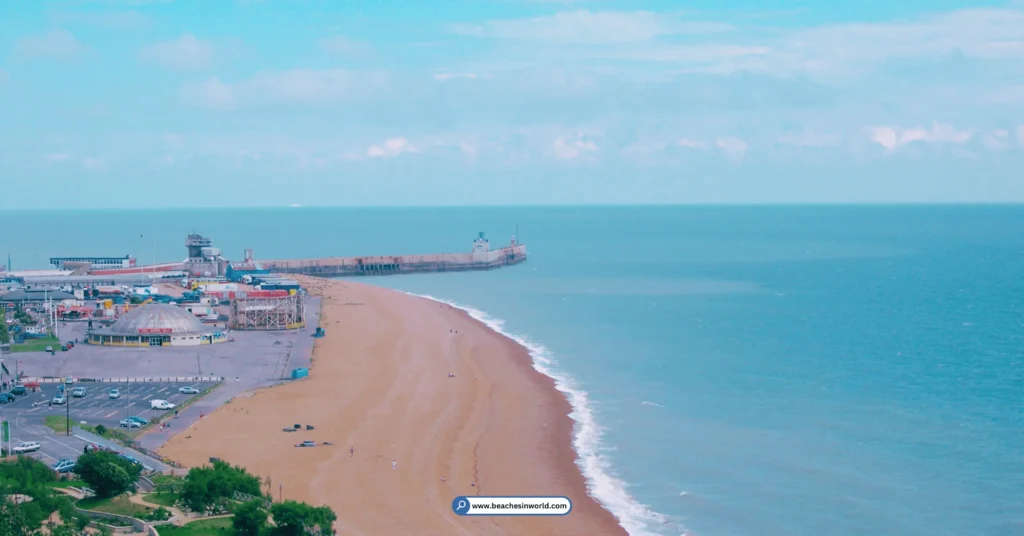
(380, 384)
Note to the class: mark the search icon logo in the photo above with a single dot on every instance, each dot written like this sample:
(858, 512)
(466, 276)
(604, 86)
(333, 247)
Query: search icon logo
(460, 506)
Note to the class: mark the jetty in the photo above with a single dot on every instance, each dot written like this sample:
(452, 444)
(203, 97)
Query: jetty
(482, 257)
(204, 260)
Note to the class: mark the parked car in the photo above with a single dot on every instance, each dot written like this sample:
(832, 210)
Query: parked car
(129, 458)
(78, 392)
(307, 443)
(128, 423)
(114, 394)
(69, 380)
(19, 390)
(49, 348)
(6, 397)
(27, 446)
(188, 390)
(64, 466)
(59, 399)
(139, 420)
(160, 404)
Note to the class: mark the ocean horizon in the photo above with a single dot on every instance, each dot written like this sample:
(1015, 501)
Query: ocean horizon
(734, 370)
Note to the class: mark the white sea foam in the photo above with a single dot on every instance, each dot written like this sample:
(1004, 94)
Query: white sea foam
(602, 485)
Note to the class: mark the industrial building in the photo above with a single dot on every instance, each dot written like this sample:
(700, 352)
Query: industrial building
(203, 260)
(237, 270)
(269, 313)
(98, 262)
(28, 296)
(156, 325)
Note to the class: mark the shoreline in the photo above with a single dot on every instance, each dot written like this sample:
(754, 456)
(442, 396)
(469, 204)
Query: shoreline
(501, 426)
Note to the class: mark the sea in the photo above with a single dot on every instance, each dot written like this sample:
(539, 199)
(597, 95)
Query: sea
(734, 370)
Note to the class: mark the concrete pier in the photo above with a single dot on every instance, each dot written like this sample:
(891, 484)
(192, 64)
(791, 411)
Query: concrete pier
(485, 259)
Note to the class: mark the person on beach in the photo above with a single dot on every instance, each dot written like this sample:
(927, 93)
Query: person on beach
(394, 465)
(351, 452)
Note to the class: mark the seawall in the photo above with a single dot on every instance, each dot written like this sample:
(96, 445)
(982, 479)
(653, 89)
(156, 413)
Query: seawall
(401, 264)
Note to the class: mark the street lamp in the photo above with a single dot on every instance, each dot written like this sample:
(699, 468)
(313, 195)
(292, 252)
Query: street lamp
(67, 417)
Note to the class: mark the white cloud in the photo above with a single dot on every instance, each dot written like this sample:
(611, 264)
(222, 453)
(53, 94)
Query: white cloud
(441, 77)
(184, 53)
(55, 44)
(343, 46)
(850, 47)
(690, 144)
(571, 148)
(1007, 95)
(211, 94)
(734, 148)
(590, 28)
(1020, 134)
(996, 139)
(57, 157)
(297, 86)
(93, 163)
(390, 148)
(893, 138)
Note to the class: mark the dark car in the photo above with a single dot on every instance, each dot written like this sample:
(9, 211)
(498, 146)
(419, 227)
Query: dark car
(19, 390)
(6, 397)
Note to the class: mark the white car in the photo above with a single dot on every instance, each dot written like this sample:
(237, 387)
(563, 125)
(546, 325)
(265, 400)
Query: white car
(27, 446)
(128, 423)
(160, 404)
(59, 399)
(114, 394)
(188, 391)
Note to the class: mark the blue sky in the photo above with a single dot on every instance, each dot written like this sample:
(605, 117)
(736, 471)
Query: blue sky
(451, 102)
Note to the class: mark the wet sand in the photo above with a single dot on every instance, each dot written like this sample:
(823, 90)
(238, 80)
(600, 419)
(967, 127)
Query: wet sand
(379, 383)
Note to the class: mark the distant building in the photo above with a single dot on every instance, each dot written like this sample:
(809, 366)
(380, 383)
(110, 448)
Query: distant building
(33, 296)
(97, 262)
(236, 271)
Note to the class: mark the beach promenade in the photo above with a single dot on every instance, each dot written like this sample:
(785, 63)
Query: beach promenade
(380, 385)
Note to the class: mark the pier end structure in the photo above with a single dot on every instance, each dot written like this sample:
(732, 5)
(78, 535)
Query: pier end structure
(482, 257)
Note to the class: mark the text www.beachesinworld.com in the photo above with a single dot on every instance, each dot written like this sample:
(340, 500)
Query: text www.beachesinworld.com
(498, 506)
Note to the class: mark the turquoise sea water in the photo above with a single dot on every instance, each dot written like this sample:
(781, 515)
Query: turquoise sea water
(738, 370)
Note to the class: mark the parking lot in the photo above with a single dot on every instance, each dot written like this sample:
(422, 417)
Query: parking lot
(97, 407)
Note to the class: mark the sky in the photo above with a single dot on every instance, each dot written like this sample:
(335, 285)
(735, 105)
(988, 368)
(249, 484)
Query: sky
(217, 103)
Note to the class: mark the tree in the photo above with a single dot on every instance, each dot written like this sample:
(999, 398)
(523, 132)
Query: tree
(5, 336)
(107, 473)
(206, 486)
(65, 530)
(293, 518)
(101, 430)
(250, 518)
(12, 520)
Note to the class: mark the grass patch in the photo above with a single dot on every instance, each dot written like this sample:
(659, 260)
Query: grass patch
(167, 480)
(69, 483)
(58, 423)
(113, 434)
(119, 505)
(205, 527)
(36, 345)
(163, 499)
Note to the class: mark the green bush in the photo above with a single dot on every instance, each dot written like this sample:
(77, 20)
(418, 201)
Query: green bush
(101, 430)
(292, 518)
(206, 486)
(249, 518)
(107, 473)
